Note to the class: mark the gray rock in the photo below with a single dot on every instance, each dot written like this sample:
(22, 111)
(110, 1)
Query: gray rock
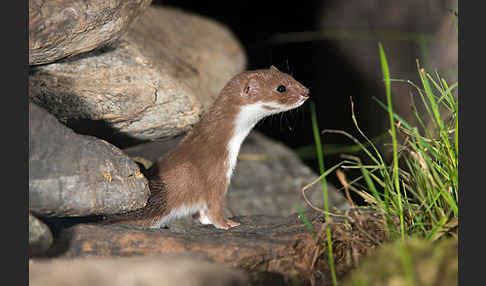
(134, 271)
(268, 180)
(165, 70)
(40, 236)
(59, 29)
(78, 175)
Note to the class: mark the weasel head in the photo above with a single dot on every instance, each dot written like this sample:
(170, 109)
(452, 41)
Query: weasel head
(270, 89)
(257, 94)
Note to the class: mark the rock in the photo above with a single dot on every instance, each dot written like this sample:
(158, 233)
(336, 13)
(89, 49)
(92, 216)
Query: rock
(155, 82)
(59, 29)
(78, 175)
(243, 245)
(203, 52)
(40, 236)
(261, 244)
(267, 180)
(429, 264)
(133, 271)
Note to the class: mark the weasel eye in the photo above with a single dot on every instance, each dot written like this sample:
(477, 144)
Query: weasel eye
(281, 88)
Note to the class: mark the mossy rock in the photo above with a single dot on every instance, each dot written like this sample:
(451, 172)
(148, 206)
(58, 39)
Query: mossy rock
(410, 262)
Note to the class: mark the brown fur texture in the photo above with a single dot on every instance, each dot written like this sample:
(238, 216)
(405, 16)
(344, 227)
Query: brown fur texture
(195, 172)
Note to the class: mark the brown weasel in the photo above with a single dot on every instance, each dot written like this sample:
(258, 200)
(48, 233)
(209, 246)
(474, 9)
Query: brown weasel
(193, 178)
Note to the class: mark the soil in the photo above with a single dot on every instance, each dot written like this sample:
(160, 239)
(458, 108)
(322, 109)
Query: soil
(354, 236)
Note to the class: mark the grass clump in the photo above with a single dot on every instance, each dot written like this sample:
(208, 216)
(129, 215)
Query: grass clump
(419, 188)
(417, 192)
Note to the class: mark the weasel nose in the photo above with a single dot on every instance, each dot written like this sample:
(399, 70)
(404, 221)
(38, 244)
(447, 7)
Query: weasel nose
(305, 93)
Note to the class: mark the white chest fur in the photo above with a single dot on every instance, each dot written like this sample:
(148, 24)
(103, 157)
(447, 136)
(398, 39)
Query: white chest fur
(246, 119)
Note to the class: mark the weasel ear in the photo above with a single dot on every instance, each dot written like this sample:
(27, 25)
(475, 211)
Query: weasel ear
(272, 67)
(251, 85)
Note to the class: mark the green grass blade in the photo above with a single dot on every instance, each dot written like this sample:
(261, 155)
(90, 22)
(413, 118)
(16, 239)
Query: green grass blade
(374, 192)
(399, 119)
(305, 220)
(320, 157)
(386, 77)
(407, 265)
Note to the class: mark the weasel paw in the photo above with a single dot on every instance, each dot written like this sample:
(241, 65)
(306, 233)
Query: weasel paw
(228, 224)
(232, 223)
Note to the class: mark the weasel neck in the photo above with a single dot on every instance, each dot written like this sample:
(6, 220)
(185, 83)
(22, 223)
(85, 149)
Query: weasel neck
(246, 118)
(221, 131)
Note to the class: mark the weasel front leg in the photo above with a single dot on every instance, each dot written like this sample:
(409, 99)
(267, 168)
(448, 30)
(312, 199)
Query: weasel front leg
(214, 215)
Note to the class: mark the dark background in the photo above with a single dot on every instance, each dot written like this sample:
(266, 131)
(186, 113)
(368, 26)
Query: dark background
(332, 75)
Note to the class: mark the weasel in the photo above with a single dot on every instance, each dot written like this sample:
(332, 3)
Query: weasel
(193, 178)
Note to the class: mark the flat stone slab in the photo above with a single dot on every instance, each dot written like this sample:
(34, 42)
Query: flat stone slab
(282, 246)
(134, 271)
(78, 175)
(260, 241)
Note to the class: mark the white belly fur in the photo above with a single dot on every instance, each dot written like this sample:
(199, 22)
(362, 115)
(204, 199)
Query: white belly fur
(182, 211)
